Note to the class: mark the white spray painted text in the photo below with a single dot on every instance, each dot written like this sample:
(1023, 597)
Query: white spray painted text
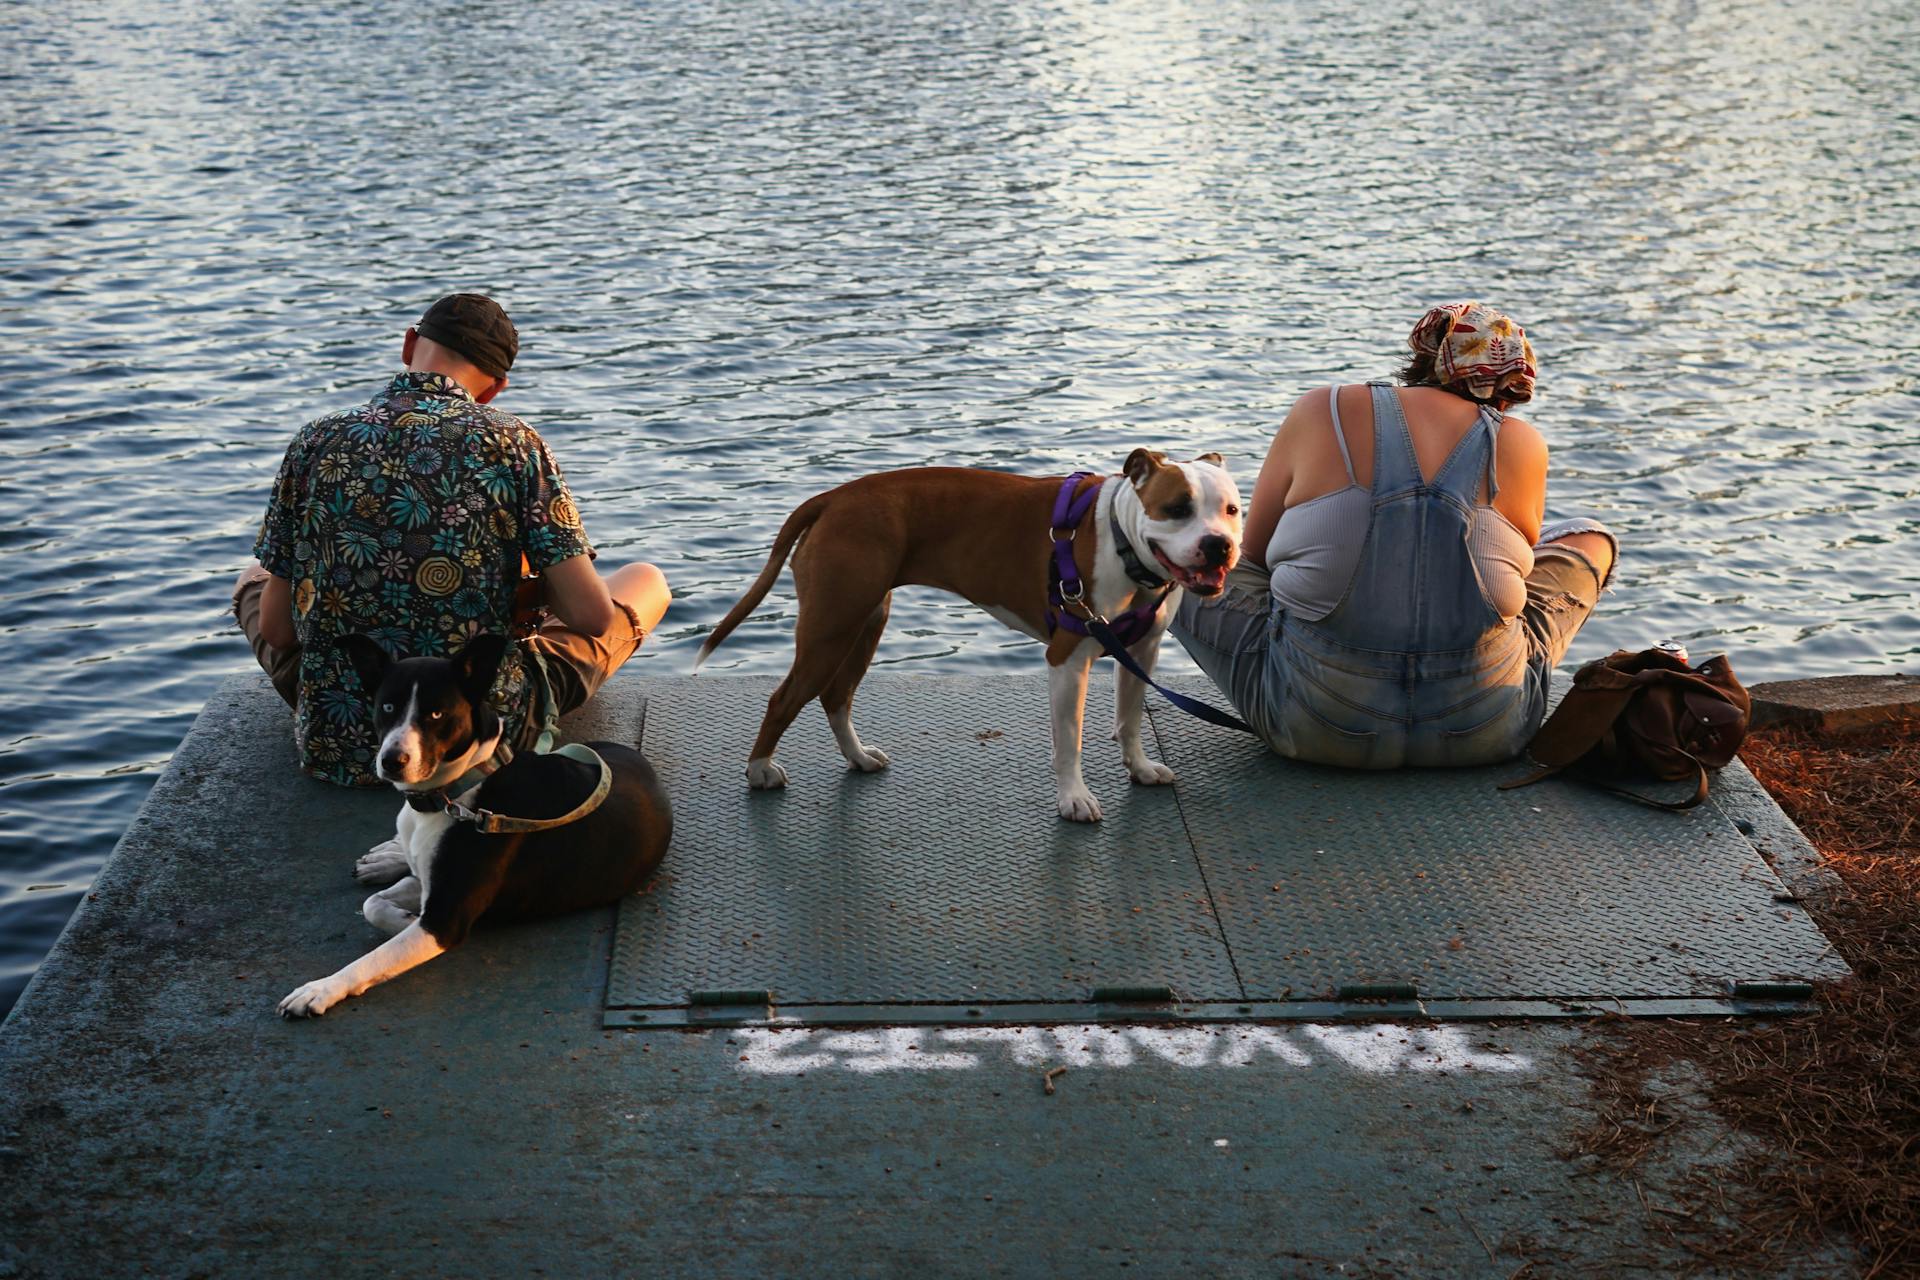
(1379, 1049)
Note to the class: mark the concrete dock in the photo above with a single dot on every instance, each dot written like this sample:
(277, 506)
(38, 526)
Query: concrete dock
(1383, 1110)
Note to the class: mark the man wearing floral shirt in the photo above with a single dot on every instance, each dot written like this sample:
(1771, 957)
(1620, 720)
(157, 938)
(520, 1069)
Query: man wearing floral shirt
(411, 519)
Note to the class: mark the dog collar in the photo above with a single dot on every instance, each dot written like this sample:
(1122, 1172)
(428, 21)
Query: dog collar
(1136, 570)
(426, 801)
(489, 823)
(436, 801)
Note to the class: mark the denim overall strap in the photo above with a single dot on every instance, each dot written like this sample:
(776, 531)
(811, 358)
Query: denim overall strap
(1471, 459)
(1493, 418)
(1415, 590)
(1395, 465)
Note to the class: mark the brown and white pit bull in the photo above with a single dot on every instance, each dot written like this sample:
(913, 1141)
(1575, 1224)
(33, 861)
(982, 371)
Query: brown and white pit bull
(985, 535)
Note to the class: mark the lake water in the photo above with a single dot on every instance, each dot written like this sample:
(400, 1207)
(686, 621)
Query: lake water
(755, 250)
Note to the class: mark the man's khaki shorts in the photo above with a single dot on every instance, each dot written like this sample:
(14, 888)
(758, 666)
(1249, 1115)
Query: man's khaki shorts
(577, 665)
(281, 665)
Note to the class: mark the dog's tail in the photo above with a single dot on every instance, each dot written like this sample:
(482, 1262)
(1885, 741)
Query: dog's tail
(797, 524)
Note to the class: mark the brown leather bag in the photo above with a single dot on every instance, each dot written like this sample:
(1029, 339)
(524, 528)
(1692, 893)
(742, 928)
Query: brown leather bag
(1645, 714)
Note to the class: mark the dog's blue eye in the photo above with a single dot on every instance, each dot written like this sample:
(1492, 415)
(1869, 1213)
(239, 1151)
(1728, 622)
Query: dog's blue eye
(387, 707)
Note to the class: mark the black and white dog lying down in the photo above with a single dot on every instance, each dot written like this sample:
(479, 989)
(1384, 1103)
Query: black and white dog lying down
(448, 868)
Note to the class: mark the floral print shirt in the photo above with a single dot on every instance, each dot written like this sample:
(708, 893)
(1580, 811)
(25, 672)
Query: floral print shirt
(406, 519)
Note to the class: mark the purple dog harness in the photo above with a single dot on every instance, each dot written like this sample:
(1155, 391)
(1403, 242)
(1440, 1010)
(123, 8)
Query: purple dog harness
(1066, 591)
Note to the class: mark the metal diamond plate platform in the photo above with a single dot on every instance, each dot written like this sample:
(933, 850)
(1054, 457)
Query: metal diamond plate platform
(1326, 877)
(945, 889)
(947, 878)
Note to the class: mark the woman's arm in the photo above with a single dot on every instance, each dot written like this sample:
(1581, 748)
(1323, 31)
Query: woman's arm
(1276, 478)
(1522, 468)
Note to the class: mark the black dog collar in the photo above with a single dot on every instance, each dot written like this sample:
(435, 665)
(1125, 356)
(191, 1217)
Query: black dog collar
(1131, 559)
(426, 801)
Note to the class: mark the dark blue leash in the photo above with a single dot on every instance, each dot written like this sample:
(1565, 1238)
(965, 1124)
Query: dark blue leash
(1065, 590)
(1097, 628)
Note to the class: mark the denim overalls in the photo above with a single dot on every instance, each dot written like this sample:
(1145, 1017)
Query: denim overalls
(1414, 665)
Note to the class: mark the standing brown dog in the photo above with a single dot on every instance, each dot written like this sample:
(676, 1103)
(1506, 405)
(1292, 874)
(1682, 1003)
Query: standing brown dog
(982, 535)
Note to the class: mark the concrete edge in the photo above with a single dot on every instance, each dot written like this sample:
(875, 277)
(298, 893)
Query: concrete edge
(125, 871)
(1757, 816)
(1838, 704)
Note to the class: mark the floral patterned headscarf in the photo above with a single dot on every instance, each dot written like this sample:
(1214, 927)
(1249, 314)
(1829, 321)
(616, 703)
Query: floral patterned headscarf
(1476, 349)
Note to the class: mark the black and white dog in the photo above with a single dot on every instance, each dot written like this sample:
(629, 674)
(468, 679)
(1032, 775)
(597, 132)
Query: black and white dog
(444, 869)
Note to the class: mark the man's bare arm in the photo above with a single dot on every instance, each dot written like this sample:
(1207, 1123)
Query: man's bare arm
(578, 596)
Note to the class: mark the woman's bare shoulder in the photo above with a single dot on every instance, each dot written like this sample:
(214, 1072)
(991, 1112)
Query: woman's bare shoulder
(1309, 409)
(1522, 448)
(1523, 434)
(1310, 399)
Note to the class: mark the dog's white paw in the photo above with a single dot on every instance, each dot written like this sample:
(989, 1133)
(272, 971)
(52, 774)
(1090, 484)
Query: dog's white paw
(1078, 805)
(765, 775)
(869, 760)
(312, 1000)
(382, 864)
(1149, 773)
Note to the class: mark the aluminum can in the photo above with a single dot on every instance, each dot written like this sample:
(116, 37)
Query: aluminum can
(1675, 648)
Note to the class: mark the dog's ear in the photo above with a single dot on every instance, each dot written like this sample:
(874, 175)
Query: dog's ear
(1142, 463)
(369, 659)
(1213, 458)
(475, 666)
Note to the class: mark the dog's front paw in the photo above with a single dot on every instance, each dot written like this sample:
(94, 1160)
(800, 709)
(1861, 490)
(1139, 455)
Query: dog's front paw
(382, 864)
(869, 760)
(312, 1000)
(387, 915)
(1078, 805)
(1149, 773)
(765, 775)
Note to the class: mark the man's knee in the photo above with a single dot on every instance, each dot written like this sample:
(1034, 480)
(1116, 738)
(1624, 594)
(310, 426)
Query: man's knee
(254, 574)
(642, 588)
(639, 575)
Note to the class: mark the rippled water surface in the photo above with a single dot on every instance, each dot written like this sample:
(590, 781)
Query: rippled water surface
(755, 250)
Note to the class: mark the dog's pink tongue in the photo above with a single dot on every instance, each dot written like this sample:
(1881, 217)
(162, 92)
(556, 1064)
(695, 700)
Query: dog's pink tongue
(1213, 577)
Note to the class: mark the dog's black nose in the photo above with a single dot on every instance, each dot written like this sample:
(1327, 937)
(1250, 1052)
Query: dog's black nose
(393, 762)
(1215, 548)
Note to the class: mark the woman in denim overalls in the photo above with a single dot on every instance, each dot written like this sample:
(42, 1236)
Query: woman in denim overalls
(1398, 602)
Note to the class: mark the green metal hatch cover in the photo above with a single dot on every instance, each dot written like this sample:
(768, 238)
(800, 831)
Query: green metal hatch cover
(945, 890)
